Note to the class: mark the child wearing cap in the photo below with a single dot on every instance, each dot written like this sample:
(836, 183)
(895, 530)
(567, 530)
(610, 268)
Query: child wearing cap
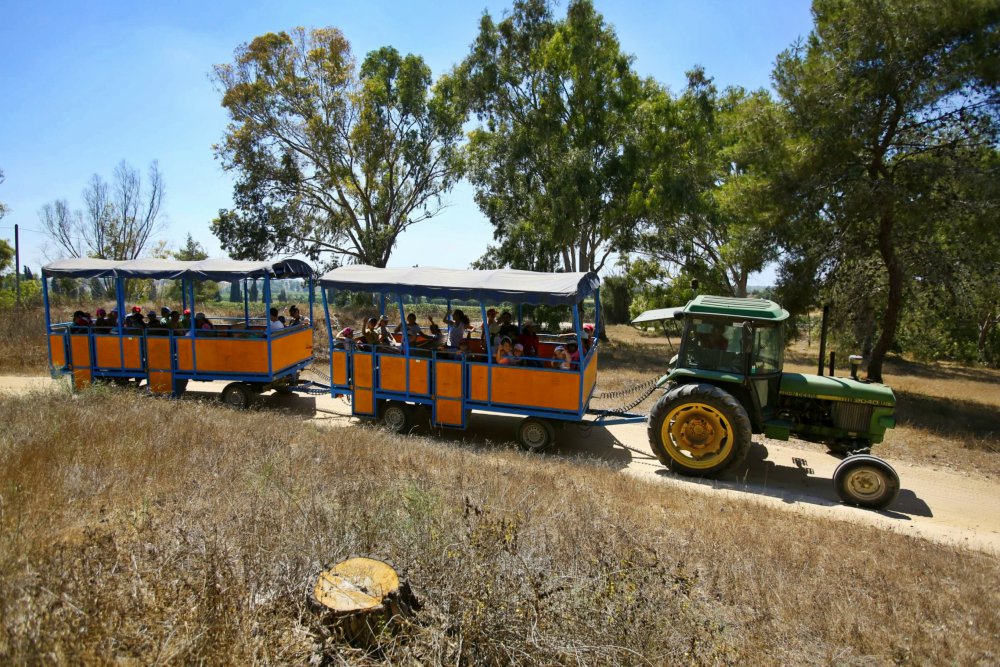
(345, 339)
(518, 357)
(560, 358)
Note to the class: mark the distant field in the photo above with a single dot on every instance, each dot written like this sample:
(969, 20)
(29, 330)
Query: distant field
(146, 530)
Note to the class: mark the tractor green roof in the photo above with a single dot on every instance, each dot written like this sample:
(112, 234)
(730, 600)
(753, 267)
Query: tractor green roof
(725, 306)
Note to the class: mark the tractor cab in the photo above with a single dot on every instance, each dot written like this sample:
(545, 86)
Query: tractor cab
(734, 343)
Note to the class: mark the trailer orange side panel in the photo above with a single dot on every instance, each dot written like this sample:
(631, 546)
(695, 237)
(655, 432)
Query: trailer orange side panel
(81, 378)
(392, 372)
(57, 346)
(478, 382)
(290, 349)
(133, 352)
(340, 361)
(529, 387)
(161, 382)
(79, 347)
(223, 355)
(420, 376)
(158, 353)
(109, 354)
(590, 376)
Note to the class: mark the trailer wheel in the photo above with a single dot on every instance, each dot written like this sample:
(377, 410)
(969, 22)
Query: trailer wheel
(397, 416)
(238, 395)
(699, 430)
(866, 481)
(534, 434)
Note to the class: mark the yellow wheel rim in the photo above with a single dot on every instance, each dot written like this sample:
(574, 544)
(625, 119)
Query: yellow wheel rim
(697, 435)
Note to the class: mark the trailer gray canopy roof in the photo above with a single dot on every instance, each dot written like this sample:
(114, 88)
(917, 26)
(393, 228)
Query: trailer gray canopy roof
(80, 267)
(151, 267)
(499, 285)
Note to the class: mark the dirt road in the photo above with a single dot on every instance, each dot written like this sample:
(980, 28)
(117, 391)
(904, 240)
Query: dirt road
(933, 504)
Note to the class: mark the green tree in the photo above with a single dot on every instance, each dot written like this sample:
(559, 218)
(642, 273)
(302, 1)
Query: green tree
(330, 159)
(235, 295)
(3, 207)
(118, 220)
(6, 255)
(709, 157)
(553, 162)
(887, 100)
(192, 251)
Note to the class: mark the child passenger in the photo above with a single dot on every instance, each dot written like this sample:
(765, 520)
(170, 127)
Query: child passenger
(560, 358)
(505, 354)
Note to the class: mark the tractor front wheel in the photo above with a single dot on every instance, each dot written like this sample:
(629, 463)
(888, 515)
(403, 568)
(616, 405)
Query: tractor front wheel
(866, 481)
(699, 430)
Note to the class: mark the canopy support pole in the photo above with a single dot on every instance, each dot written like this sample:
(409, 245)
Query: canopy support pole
(267, 323)
(48, 320)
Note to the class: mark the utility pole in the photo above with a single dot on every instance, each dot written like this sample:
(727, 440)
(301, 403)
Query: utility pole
(17, 265)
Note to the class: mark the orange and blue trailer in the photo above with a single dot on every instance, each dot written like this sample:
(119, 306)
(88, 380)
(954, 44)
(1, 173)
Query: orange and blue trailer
(388, 382)
(244, 351)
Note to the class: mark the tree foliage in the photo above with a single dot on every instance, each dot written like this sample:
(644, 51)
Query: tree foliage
(553, 161)
(3, 207)
(892, 102)
(6, 255)
(191, 251)
(118, 219)
(330, 158)
(709, 206)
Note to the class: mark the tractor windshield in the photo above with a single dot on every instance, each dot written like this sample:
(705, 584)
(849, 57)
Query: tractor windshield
(767, 350)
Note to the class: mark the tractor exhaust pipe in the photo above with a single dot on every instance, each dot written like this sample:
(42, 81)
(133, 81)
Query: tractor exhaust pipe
(822, 339)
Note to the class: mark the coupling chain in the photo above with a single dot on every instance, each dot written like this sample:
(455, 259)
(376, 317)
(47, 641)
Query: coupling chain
(628, 391)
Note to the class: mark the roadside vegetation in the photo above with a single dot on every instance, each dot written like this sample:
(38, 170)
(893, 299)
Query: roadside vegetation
(134, 528)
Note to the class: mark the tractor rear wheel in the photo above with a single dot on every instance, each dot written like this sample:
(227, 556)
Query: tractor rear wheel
(866, 481)
(699, 430)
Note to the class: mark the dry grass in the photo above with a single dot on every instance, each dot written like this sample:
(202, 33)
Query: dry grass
(146, 530)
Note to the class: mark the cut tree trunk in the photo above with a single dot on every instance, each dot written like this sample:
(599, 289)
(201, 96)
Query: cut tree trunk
(363, 597)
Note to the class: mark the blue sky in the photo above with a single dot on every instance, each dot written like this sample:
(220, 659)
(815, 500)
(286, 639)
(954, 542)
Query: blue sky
(87, 84)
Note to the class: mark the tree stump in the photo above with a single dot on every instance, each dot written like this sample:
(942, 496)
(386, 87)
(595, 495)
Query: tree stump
(363, 598)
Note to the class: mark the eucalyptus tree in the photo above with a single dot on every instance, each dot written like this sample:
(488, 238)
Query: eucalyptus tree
(553, 160)
(329, 157)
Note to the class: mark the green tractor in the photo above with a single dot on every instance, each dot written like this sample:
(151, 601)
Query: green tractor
(727, 383)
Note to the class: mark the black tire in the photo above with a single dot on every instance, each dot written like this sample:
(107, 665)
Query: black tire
(396, 416)
(535, 434)
(719, 428)
(866, 481)
(239, 395)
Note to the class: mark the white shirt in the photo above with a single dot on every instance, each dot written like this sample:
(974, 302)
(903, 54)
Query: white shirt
(275, 325)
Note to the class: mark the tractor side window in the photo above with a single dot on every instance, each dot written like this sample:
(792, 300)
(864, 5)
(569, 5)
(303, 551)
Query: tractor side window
(712, 345)
(767, 350)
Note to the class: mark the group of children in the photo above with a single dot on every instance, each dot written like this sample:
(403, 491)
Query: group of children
(166, 322)
(511, 345)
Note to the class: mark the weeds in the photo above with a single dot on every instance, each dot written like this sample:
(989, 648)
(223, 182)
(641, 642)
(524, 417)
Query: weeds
(154, 531)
